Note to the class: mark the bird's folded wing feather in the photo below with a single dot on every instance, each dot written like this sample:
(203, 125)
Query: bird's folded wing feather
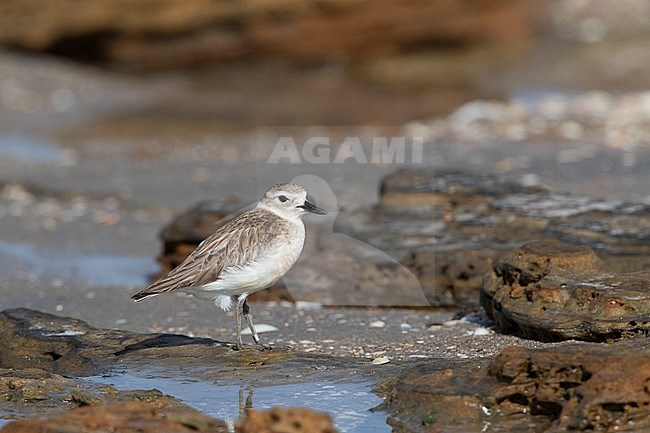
(240, 242)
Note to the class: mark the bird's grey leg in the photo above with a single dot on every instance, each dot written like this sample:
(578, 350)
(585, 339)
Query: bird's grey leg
(244, 309)
(238, 312)
(249, 320)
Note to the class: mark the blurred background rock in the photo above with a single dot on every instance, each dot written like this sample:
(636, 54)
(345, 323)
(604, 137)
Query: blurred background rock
(245, 63)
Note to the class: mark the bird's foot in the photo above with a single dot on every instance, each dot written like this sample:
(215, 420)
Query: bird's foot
(259, 347)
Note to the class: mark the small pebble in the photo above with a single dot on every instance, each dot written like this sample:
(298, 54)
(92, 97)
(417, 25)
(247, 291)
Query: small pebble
(381, 360)
(377, 324)
(479, 331)
(455, 322)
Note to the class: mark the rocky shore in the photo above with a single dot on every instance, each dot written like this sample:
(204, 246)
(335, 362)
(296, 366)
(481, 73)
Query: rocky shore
(484, 265)
(571, 279)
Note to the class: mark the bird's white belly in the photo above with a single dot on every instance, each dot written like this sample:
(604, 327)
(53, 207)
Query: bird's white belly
(255, 276)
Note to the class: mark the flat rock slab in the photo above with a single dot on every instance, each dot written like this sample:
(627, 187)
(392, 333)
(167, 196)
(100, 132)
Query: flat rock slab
(575, 387)
(45, 358)
(554, 291)
(32, 392)
(61, 345)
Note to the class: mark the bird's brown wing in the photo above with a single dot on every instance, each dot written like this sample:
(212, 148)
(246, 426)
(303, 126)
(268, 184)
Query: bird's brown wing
(238, 243)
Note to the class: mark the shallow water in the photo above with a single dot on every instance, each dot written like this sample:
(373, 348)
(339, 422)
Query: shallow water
(348, 403)
(94, 269)
(27, 148)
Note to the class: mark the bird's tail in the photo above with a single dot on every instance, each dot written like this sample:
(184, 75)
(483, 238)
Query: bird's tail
(141, 296)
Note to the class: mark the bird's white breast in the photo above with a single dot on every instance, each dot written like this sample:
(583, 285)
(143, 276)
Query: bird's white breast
(259, 274)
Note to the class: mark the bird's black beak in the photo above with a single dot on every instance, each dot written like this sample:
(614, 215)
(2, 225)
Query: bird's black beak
(312, 208)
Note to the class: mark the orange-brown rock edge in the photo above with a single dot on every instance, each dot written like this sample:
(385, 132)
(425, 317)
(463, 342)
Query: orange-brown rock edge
(191, 31)
(280, 420)
(121, 417)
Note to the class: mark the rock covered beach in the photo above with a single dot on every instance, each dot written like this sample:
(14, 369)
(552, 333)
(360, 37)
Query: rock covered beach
(496, 280)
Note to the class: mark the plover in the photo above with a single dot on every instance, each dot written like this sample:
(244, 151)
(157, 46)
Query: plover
(246, 255)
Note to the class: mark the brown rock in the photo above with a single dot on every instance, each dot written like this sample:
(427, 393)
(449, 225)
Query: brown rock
(540, 258)
(582, 387)
(595, 388)
(62, 345)
(30, 385)
(446, 227)
(409, 190)
(35, 392)
(280, 420)
(30, 348)
(552, 291)
(451, 279)
(120, 418)
(177, 32)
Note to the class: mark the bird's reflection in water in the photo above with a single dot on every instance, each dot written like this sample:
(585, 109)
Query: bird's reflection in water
(245, 405)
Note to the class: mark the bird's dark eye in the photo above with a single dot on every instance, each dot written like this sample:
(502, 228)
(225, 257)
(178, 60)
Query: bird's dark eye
(282, 198)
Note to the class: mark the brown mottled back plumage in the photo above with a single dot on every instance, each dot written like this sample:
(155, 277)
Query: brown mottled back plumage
(238, 243)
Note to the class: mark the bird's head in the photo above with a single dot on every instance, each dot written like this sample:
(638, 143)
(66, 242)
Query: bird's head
(289, 201)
